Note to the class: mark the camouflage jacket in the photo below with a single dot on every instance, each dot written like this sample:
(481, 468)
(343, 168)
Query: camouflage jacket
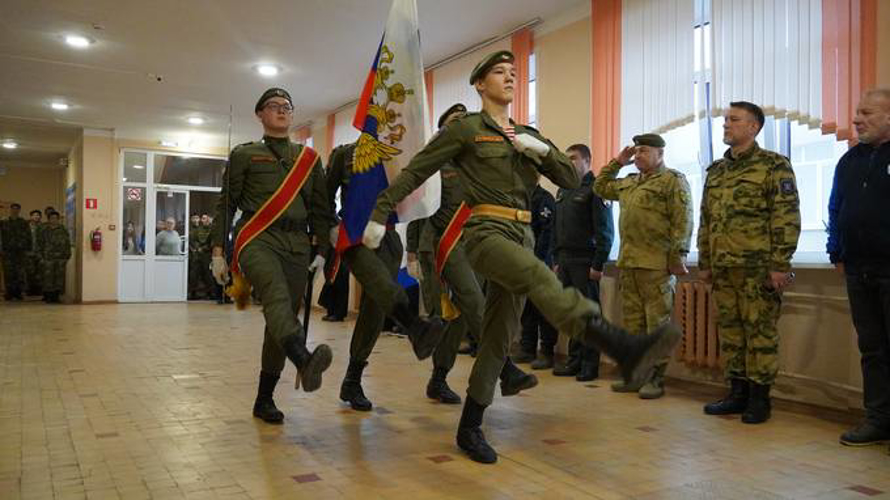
(16, 235)
(655, 220)
(54, 243)
(750, 212)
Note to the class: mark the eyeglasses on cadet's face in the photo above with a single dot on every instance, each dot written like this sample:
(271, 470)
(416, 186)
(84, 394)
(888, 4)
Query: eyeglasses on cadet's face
(279, 108)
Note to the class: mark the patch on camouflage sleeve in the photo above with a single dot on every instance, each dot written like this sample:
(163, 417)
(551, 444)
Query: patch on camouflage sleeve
(787, 186)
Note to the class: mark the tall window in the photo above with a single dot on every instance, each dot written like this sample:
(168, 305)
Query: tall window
(532, 92)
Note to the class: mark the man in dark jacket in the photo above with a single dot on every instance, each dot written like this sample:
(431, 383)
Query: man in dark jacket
(859, 246)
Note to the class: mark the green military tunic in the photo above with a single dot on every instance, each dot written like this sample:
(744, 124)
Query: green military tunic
(750, 225)
(377, 270)
(276, 262)
(656, 228)
(492, 171)
(55, 250)
(16, 237)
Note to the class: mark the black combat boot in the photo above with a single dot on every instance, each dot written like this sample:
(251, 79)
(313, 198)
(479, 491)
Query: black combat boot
(544, 361)
(437, 388)
(310, 366)
(759, 406)
(514, 380)
(735, 402)
(264, 407)
(424, 334)
(635, 354)
(588, 372)
(570, 368)
(351, 390)
(469, 434)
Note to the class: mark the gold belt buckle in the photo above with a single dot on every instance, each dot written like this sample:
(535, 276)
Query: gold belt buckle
(524, 216)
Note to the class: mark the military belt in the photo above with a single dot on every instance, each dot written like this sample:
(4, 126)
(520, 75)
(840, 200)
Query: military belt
(500, 212)
(286, 225)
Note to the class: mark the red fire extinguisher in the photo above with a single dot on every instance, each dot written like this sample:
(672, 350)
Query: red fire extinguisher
(96, 239)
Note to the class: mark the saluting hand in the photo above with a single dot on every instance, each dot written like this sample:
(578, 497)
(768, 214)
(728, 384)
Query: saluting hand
(626, 156)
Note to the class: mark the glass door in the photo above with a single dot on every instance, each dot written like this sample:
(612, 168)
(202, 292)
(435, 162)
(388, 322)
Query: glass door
(170, 259)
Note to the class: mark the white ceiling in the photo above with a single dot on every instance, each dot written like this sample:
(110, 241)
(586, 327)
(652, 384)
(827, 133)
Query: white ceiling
(204, 51)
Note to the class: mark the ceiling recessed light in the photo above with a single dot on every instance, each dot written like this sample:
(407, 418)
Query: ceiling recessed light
(59, 106)
(139, 167)
(267, 70)
(196, 120)
(10, 145)
(78, 41)
(169, 144)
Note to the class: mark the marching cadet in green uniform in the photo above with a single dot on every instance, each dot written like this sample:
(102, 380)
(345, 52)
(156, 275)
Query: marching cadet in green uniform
(750, 225)
(276, 261)
(582, 239)
(656, 228)
(16, 239)
(498, 164)
(382, 296)
(55, 250)
(34, 272)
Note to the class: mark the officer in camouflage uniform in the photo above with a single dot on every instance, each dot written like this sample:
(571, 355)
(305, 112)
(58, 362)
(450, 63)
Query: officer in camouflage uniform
(582, 239)
(194, 223)
(34, 271)
(750, 224)
(16, 239)
(276, 261)
(382, 296)
(656, 228)
(204, 249)
(498, 164)
(55, 250)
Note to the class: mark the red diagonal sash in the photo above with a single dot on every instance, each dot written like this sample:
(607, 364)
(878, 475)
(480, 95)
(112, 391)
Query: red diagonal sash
(266, 215)
(451, 236)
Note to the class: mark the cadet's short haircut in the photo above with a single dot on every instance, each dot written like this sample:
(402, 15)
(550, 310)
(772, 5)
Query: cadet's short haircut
(48, 209)
(38, 212)
(53, 212)
(581, 149)
(751, 108)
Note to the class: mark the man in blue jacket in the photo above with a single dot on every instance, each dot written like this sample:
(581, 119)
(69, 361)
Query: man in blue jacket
(859, 246)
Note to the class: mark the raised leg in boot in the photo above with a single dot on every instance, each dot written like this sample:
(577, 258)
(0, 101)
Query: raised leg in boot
(514, 380)
(351, 390)
(310, 365)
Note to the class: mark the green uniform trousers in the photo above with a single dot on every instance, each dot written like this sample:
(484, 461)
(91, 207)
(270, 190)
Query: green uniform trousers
(647, 299)
(429, 286)
(34, 273)
(747, 313)
(278, 277)
(377, 271)
(54, 275)
(466, 294)
(512, 272)
(14, 271)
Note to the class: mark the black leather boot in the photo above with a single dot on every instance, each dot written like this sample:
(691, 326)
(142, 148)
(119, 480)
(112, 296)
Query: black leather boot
(735, 402)
(438, 389)
(514, 380)
(469, 434)
(635, 354)
(310, 366)
(264, 407)
(424, 334)
(759, 406)
(351, 389)
(588, 372)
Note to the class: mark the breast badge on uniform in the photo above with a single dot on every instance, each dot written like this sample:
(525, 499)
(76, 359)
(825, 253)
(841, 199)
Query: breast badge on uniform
(489, 138)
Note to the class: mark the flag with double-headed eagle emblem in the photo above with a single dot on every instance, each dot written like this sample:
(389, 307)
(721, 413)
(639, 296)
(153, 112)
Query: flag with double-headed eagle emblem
(394, 124)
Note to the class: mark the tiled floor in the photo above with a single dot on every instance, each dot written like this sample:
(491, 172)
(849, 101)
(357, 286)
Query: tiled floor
(153, 401)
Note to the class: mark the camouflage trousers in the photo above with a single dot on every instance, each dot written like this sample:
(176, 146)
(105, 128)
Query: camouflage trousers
(14, 271)
(54, 275)
(34, 273)
(747, 313)
(647, 299)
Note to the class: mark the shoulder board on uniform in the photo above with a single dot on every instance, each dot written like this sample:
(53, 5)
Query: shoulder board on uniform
(239, 146)
(531, 128)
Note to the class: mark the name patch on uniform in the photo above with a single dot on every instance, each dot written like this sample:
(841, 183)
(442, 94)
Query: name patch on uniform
(448, 175)
(263, 159)
(787, 186)
(489, 138)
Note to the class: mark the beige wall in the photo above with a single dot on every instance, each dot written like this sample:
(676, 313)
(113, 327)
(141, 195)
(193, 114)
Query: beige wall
(319, 139)
(883, 55)
(563, 80)
(34, 188)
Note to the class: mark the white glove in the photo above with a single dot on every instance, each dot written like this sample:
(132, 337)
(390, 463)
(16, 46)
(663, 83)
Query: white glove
(373, 235)
(414, 270)
(317, 263)
(334, 236)
(219, 269)
(531, 146)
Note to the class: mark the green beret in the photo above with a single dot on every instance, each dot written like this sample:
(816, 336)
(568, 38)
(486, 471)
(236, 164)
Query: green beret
(273, 92)
(486, 64)
(652, 140)
(457, 108)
